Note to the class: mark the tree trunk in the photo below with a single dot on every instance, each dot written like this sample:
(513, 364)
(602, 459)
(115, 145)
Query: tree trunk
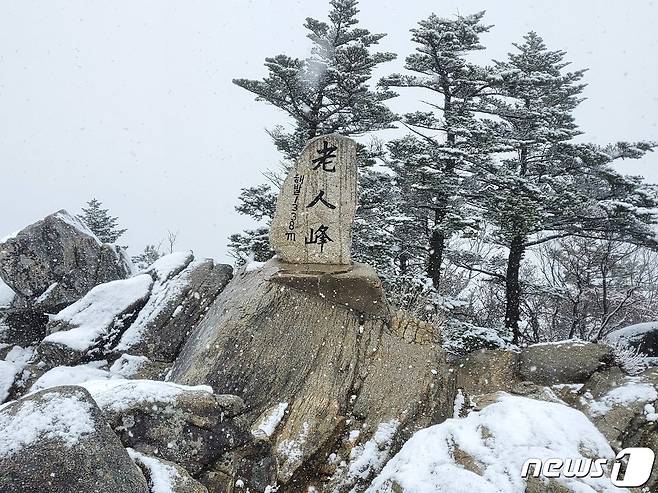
(513, 288)
(437, 245)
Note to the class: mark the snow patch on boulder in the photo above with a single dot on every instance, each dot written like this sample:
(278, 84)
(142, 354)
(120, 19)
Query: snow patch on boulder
(161, 476)
(486, 450)
(119, 394)
(7, 294)
(65, 418)
(630, 332)
(12, 367)
(92, 315)
(170, 265)
(76, 223)
(71, 375)
(634, 389)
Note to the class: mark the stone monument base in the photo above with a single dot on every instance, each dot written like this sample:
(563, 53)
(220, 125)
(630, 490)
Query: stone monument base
(355, 286)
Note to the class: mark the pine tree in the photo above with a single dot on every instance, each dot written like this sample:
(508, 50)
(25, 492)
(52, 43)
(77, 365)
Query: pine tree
(103, 225)
(324, 93)
(545, 186)
(447, 141)
(144, 260)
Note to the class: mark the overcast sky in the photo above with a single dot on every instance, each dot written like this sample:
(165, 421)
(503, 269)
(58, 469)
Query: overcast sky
(131, 101)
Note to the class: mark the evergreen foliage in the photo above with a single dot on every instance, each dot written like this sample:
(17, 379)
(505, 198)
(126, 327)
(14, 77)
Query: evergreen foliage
(324, 93)
(546, 186)
(488, 217)
(433, 164)
(144, 260)
(99, 220)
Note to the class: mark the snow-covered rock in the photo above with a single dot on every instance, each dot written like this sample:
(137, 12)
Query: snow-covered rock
(56, 260)
(11, 368)
(190, 426)
(616, 402)
(164, 476)
(563, 362)
(148, 315)
(94, 322)
(182, 291)
(71, 375)
(485, 451)
(642, 337)
(58, 440)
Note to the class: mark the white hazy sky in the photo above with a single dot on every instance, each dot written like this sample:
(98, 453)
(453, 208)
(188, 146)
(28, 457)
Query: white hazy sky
(131, 101)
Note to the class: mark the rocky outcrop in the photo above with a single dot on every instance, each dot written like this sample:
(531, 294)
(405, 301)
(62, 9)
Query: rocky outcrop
(320, 369)
(187, 425)
(88, 328)
(641, 337)
(57, 440)
(149, 314)
(163, 475)
(180, 296)
(56, 261)
(564, 362)
(486, 371)
(615, 401)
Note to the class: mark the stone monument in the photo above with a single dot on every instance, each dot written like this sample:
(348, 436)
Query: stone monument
(316, 205)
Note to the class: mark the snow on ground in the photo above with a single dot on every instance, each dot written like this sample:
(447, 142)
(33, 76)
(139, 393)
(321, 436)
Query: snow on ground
(6, 295)
(119, 394)
(634, 389)
(162, 477)
(12, 367)
(499, 438)
(64, 418)
(96, 311)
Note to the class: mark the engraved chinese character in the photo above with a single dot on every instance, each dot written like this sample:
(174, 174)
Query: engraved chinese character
(326, 157)
(318, 237)
(320, 198)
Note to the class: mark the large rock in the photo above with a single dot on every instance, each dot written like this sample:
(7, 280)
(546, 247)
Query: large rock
(564, 362)
(322, 372)
(57, 441)
(616, 403)
(56, 261)
(187, 425)
(316, 205)
(88, 328)
(183, 290)
(641, 337)
(486, 371)
(149, 314)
